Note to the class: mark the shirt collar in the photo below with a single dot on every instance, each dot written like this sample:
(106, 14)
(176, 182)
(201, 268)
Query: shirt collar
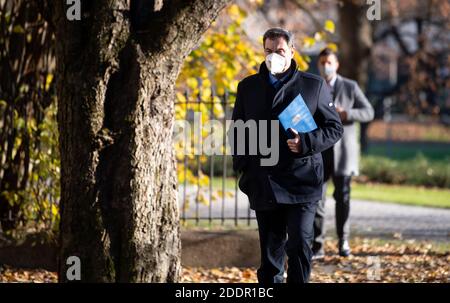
(333, 81)
(274, 79)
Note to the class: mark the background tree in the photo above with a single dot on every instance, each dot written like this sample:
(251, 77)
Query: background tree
(355, 49)
(29, 160)
(117, 69)
(419, 30)
(356, 37)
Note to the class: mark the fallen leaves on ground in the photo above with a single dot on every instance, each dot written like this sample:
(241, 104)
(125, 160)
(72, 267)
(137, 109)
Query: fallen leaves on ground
(405, 262)
(10, 274)
(219, 275)
(371, 261)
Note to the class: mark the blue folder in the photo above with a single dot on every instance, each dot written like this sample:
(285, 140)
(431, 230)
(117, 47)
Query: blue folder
(297, 116)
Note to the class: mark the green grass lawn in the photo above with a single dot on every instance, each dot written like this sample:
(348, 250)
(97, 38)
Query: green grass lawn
(409, 195)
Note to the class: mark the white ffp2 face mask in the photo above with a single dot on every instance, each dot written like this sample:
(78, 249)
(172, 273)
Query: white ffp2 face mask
(327, 70)
(275, 63)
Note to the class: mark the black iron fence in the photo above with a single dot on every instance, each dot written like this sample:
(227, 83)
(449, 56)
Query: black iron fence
(219, 200)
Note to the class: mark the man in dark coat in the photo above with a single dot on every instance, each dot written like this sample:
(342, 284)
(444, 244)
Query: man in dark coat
(284, 195)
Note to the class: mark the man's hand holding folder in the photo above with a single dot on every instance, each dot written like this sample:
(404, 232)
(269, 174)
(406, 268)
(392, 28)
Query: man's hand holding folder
(296, 118)
(294, 144)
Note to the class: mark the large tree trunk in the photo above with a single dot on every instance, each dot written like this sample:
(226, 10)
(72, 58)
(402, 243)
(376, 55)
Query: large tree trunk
(116, 73)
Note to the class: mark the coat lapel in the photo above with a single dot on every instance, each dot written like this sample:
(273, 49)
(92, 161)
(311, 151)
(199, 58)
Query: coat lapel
(282, 93)
(338, 89)
(265, 94)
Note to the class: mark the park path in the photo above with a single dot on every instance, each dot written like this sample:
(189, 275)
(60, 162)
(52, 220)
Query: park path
(368, 218)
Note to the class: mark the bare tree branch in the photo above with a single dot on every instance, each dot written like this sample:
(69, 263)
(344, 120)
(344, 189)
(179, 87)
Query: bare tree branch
(313, 18)
(176, 20)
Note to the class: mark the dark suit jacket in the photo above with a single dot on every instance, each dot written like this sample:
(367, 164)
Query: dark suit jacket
(296, 178)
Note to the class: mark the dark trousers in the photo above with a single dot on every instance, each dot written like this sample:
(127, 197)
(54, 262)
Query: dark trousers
(296, 222)
(341, 195)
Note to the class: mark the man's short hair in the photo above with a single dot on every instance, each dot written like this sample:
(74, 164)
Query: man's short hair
(328, 52)
(278, 32)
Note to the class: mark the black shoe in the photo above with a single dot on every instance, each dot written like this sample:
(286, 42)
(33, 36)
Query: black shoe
(318, 255)
(344, 248)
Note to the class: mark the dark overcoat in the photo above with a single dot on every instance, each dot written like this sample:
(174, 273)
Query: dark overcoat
(296, 177)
